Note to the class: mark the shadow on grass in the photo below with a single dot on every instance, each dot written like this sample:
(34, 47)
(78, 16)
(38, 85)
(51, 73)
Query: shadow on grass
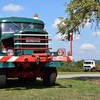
(85, 78)
(25, 85)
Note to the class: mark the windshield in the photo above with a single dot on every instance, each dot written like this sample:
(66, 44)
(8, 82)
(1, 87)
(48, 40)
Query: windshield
(13, 27)
(8, 27)
(88, 62)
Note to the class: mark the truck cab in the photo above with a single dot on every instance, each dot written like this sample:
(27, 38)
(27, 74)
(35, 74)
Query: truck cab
(88, 65)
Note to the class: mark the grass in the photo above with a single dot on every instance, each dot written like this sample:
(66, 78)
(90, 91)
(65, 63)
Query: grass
(65, 89)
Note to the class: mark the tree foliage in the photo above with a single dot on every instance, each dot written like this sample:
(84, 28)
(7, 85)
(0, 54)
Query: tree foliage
(79, 13)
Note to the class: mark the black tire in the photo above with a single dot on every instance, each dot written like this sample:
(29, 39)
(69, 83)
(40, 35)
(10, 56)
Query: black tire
(85, 70)
(2, 77)
(93, 69)
(50, 75)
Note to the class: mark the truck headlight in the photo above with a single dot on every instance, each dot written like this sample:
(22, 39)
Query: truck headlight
(10, 52)
(61, 52)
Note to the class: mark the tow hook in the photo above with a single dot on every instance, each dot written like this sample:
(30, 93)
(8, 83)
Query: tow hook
(37, 60)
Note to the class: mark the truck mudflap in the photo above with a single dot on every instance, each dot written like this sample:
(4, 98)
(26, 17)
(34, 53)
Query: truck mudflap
(34, 58)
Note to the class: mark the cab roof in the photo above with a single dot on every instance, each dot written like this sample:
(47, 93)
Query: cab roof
(21, 19)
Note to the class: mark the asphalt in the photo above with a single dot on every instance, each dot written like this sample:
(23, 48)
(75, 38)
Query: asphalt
(79, 76)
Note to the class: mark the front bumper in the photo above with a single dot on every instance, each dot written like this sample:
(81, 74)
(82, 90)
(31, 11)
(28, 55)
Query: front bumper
(35, 58)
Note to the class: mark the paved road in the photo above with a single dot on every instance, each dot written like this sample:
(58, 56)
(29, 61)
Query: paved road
(79, 76)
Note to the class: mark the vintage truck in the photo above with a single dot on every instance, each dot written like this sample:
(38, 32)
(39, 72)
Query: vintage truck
(25, 52)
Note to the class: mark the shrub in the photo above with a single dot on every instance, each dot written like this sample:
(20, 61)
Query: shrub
(72, 66)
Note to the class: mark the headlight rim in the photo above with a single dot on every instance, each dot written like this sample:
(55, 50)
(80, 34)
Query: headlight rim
(60, 52)
(10, 53)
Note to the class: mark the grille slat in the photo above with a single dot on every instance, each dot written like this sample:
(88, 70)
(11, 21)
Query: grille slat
(31, 41)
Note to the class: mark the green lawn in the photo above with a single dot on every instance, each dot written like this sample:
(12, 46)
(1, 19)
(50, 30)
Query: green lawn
(65, 89)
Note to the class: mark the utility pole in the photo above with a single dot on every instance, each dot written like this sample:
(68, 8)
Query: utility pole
(71, 35)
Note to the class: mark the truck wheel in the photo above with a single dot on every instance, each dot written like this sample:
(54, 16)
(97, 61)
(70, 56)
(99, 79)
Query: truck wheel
(85, 70)
(2, 77)
(93, 69)
(50, 75)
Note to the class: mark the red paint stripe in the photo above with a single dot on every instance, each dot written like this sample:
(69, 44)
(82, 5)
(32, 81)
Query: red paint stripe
(68, 59)
(5, 58)
(22, 59)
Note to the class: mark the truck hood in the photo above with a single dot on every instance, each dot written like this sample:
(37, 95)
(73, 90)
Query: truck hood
(34, 30)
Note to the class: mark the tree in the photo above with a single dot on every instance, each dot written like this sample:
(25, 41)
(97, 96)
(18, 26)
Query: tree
(79, 13)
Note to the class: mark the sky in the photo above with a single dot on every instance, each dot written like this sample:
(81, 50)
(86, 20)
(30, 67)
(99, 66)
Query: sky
(85, 46)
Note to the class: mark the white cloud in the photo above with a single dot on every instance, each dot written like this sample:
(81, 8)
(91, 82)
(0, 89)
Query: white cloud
(62, 37)
(59, 37)
(85, 23)
(87, 46)
(12, 7)
(76, 36)
(88, 24)
(57, 21)
(96, 33)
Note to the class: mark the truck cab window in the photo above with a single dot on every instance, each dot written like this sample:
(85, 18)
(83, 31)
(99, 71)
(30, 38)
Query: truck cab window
(12, 27)
(38, 26)
(35, 26)
(9, 28)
